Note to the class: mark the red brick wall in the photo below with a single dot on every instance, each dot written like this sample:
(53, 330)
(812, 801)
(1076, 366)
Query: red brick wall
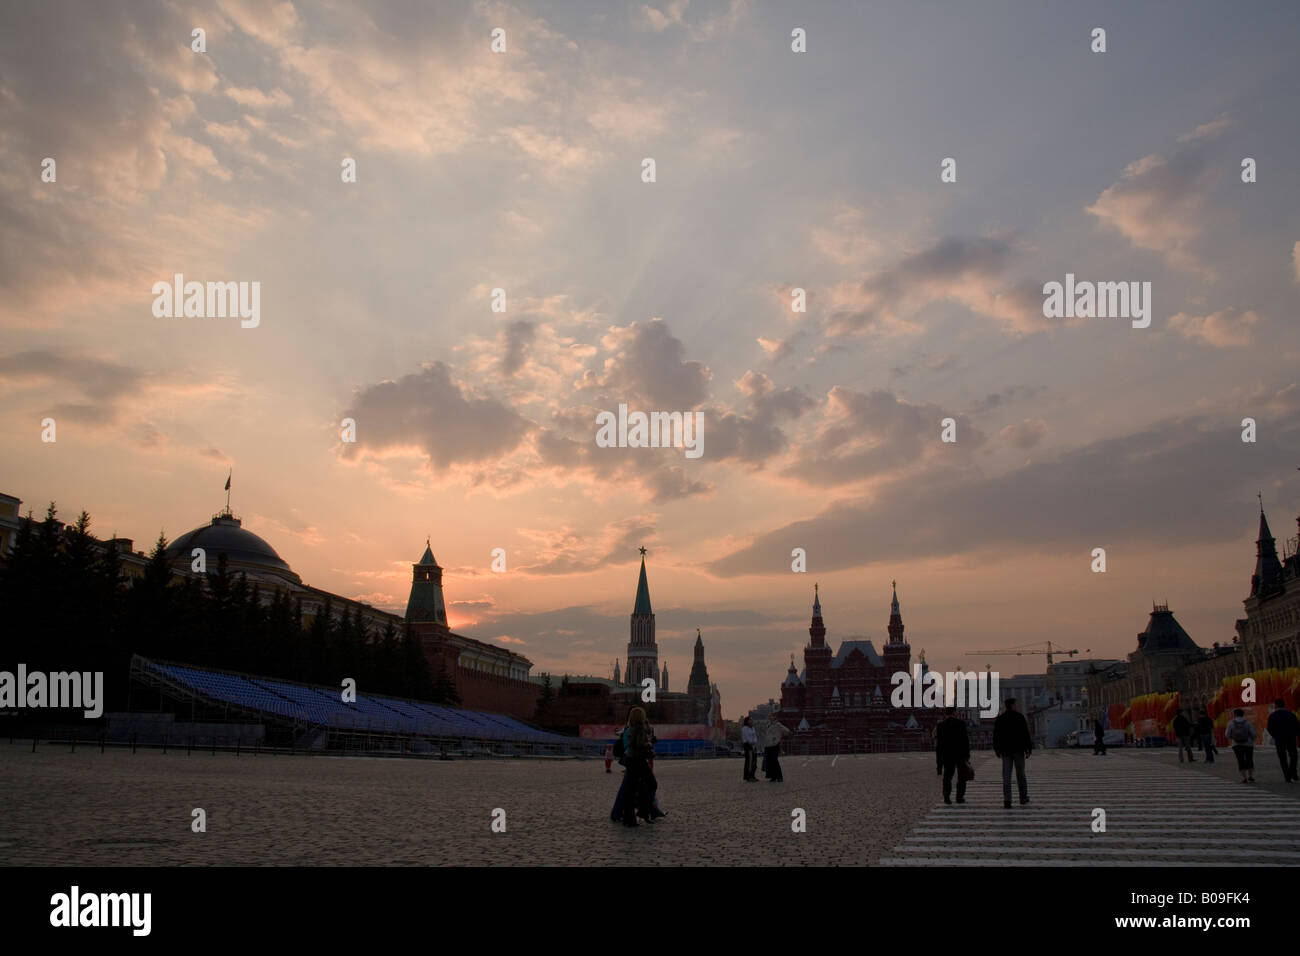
(499, 695)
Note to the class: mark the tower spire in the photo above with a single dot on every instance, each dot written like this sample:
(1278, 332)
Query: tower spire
(642, 651)
(895, 618)
(426, 603)
(1268, 569)
(817, 629)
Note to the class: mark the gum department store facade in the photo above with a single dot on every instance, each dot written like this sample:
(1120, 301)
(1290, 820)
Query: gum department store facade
(1168, 660)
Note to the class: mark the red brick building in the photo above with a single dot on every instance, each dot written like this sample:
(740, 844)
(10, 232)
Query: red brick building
(840, 702)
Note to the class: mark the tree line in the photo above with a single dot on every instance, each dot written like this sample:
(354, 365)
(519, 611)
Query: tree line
(68, 605)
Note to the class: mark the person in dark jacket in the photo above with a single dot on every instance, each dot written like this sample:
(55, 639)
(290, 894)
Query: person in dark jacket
(1183, 731)
(641, 784)
(951, 751)
(1205, 730)
(1011, 742)
(1284, 728)
(1098, 738)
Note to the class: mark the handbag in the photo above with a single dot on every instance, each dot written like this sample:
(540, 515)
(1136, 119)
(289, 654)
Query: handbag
(966, 772)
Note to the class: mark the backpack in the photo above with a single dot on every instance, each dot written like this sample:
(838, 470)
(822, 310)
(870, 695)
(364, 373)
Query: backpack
(1239, 731)
(620, 745)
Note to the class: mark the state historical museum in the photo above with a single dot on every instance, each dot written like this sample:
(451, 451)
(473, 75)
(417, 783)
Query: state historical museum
(839, 703)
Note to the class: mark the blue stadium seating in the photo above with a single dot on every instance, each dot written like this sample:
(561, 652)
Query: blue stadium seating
(324, 707)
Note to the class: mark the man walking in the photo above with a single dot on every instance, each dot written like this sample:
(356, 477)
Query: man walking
(1098, 738)
(1284, 728)
(951, 751)
(1183, 731)
(750, 741)
(1205, 730)
(1011, 742)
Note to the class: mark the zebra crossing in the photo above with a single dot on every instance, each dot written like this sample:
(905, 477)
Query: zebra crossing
(1156, 812)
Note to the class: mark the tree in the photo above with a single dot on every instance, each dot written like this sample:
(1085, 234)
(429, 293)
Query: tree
(545, 698)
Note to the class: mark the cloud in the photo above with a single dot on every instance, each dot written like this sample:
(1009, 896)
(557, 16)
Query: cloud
(873, 434)
(672, 482)
(966, 271)
(1135, 489)
(650, 366)
(254, 98)
(754, 435)
(516, 338)
(1025, 434)
(105, 383)
(1227, 328)
(1006, 396)
(570, 550)
(1162, 204)
(844, 238)
(673, 14)
(443, 421)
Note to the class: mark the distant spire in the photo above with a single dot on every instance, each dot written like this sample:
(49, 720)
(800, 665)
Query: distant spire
(817, 629)
(895, 618)
(1268, 569)
(642, 605)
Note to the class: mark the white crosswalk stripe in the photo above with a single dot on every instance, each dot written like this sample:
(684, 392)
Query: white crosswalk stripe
(1155, 813)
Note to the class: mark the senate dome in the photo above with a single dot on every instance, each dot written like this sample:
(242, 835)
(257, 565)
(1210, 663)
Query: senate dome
(244, 551)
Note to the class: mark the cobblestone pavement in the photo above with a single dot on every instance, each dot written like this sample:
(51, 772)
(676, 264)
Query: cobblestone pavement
(88, 808)
(1157, 812)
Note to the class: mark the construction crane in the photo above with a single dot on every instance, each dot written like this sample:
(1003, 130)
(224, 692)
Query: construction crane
(1028, 649)
(1047, 647)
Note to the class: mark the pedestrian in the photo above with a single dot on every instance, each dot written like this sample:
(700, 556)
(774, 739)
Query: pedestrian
(1183, 731)
(772, 749)
(951, 752)
(655, 812)
(1011, 742)
(1242, 737)
(749, 739)
(1205, 730)
(640, 779)
(1284, 728)
(1098, 738)
(609, 756)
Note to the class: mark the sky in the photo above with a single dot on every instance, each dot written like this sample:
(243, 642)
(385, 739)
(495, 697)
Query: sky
(775, 170)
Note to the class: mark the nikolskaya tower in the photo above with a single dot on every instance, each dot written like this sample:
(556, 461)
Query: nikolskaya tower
(642, 651)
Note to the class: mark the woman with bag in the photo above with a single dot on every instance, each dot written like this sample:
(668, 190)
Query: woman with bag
(641, 784)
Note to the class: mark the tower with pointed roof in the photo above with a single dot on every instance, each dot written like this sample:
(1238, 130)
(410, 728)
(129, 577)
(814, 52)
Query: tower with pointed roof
(842, 699)
(663, 680)
(897, 652)
(1267, 578)
(426, 604)
(817, 654)
(698, 683)
(642, 651)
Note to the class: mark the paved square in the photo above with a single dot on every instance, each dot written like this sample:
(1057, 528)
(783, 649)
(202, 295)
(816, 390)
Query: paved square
(88, 808)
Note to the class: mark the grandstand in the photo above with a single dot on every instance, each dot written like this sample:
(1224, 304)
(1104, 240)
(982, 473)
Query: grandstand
(317, 718)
